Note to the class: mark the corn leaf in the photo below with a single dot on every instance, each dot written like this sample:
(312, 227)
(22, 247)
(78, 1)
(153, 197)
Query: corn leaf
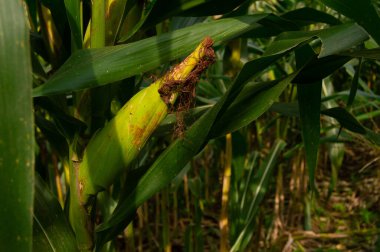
(345, 119)
(309, 102)
(363, 12)
(349, 122)
(334, 39)
(58, 12)
(73, 12)
(165, 9)
(307, 16)
(51, 229)
(260, 187)
(16, 130)
(366, 53)
(245, 110)
(354, 85)
(144, 15)
(94, 67)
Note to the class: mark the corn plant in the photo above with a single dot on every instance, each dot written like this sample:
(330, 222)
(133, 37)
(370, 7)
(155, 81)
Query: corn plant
(106, 103)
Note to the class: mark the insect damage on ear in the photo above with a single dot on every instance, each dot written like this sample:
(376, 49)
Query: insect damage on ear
(185, 89)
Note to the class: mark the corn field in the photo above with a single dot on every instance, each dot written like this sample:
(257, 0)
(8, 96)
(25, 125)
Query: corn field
(189, 125)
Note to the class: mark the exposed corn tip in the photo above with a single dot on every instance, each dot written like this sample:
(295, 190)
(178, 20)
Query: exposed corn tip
(115, 146)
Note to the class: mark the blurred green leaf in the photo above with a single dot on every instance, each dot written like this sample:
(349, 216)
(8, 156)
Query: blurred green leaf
(289, 40)
(367, 53)
(58, 12)
(67, 125)
(16, 130)
(116, 13)
(349, 122)
(354, 85)
(341, 37)
(147, 8)
(309, 100)
(309, 103)
(317, 69)
(345, 119)
(51, 229)
(51, 133)
(286, 108)
(260, 187)
(272, 25)
(246, 109)
(307, 16)
(168, 8)
(363, 12)
(335, 150)
(94, 67)
(334, 39)
(74, 15)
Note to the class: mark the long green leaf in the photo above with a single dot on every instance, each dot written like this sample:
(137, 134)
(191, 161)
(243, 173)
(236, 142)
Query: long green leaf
(334, 39)
(58, 12)
(341, 37)
(349, 122)
(309, 102)
(368, 53)
(144, 15)
(319, 68)
(345, 119)
(74, 15)
(51, 229)
(16, 130)
(335, 150)
(354, 85)
(167, 8)
(94, 67)
(363, 12)
(245, 110)
(171, 162)
(308, 16)
(260, 187)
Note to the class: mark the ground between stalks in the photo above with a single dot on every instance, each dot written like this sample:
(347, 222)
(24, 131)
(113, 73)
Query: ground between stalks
(186, 88)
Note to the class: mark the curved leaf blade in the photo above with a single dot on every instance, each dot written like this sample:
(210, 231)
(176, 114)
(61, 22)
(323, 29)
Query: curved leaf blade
(309, 103)
(95, 67)
(308, 16)
(260, 187)
(195, 8)
(16, 130)
(345, 119)
(334, 39)
(244, 111)
(363, 12)
(51, 229)
(73, 12)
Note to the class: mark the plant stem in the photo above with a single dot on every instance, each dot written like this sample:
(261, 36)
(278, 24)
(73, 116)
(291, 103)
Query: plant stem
(223, 223)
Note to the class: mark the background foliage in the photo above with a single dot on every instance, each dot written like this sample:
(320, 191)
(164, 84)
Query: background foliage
(280, 150)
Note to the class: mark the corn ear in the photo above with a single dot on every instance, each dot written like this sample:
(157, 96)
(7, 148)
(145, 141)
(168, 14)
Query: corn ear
(114, 147)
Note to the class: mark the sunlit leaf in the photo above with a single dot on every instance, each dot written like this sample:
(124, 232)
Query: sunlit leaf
(94, 67)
